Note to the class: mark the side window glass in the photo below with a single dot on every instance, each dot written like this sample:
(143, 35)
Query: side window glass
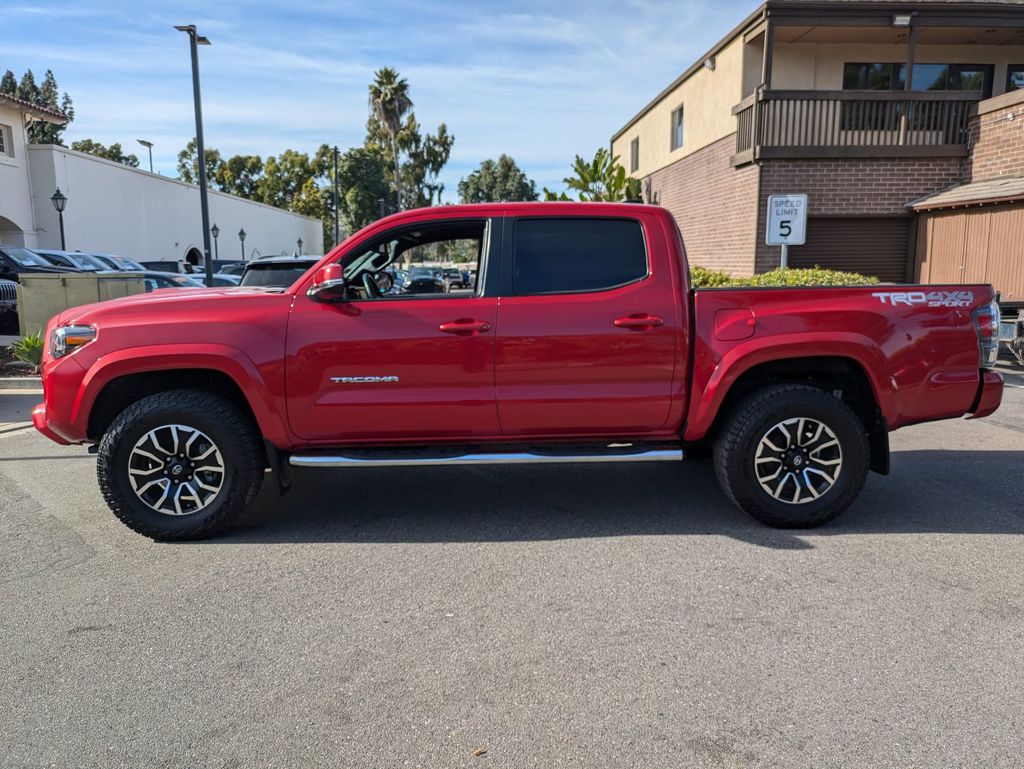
(558, 256)
(429, 260)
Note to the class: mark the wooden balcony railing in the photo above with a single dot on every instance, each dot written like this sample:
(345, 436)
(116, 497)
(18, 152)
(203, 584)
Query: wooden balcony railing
(829, 124)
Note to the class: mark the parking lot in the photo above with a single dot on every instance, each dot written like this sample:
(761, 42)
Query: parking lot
(581, 616)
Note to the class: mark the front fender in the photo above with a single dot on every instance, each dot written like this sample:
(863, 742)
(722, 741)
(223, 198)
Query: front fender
(862, 350)
(213, 357)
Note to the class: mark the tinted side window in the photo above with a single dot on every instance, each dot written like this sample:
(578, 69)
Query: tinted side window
(571, 255)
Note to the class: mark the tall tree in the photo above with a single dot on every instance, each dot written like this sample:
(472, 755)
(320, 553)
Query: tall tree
(241, 175)
(390, 102)
(495, 182)
(362, 185)
(188, 164)
(601, 179)
(113, 152)
(9, 84)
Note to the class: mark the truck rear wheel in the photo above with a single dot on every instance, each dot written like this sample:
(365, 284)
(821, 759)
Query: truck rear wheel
(181, 464)
(792, 456)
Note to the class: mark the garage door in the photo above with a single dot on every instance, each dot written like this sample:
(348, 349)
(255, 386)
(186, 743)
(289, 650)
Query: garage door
(870, 246)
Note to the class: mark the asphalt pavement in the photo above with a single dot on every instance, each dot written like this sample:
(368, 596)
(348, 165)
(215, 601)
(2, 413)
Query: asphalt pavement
(577, 616)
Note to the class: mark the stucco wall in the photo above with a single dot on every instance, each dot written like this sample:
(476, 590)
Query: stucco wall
(15, 186)
(707, 97)
(115, 209)
(809, 66)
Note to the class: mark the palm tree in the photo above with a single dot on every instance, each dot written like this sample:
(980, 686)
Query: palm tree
(389, 104)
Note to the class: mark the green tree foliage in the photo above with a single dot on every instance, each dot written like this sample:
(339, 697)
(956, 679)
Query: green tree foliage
(240, 175)
(48, 96)
(601, 179)
(188, 164)
(497, 181)
(113, 152)
(362, 184)
(390, 104)
(9, 84)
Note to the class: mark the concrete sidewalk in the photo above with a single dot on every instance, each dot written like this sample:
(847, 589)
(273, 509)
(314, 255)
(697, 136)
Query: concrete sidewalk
(16, 409)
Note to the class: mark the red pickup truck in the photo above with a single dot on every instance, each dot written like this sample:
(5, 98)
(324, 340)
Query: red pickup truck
(580, 340)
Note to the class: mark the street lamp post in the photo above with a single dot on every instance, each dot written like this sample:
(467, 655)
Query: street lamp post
(215, 231)
(241, 238)
(148, 146)
(336, 232)
(195, 40)
(299, 241)
(60, 200)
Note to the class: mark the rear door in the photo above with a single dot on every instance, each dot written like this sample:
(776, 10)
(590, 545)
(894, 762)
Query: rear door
(587, 327)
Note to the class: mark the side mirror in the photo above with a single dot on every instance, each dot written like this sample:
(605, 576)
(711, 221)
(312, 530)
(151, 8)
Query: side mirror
(328, 284)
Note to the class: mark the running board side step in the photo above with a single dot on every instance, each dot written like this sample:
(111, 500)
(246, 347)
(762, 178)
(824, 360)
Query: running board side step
(367, 459)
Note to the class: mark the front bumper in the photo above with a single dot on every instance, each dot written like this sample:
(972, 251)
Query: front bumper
(990, 394)
(42, 425)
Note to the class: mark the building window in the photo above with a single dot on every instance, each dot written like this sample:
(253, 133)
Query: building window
(6, 141)
(634, 155)
(677, 128)
(1015, 77)
(927, 77)
(564, 256)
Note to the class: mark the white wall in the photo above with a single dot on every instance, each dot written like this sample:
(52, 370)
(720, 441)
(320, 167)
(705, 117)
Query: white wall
(120, 210)
(17, 225)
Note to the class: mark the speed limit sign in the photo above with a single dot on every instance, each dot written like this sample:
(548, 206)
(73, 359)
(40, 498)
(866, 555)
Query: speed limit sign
(787, 220)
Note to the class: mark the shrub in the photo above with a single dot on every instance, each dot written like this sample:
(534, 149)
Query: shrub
(29, 349)
(701, 277)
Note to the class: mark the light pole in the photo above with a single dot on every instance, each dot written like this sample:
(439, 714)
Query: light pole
(336, 195)
(215, 231)
(380, 205)
(241, 238)
(195, 40)
(299, 241)
(60, 200)
(148, 146)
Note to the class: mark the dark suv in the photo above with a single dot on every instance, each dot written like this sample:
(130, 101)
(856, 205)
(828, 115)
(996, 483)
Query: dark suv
(15, 261)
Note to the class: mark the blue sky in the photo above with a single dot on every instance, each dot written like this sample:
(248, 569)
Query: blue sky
(540, 81)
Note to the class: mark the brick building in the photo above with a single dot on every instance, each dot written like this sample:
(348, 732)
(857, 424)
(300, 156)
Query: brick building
(867, 106)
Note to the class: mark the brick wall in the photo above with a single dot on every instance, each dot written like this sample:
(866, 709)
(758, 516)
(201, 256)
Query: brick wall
(714, 204)
(996, 145)
(851, 187)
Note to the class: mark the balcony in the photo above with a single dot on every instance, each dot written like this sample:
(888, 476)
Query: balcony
(850, 124)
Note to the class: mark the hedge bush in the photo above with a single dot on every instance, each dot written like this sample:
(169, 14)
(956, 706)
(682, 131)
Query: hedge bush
(701, 277)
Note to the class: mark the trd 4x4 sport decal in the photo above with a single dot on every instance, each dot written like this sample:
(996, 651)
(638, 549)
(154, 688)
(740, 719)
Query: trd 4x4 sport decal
(927, 298)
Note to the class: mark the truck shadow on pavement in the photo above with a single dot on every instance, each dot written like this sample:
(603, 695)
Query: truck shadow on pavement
(929, 491)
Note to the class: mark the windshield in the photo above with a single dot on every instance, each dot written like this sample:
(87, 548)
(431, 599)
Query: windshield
(276, 275)
(123, 262)
(25, 258)
(184, 281)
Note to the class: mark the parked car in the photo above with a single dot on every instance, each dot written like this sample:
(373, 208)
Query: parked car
(73, 260)
(168, 265)
(8, 304)
(453, 278)
(586, 343)
(121, 263)
(425, 280)
(232, 268)
(155, 280)
(221, 280)
(277, 271)
(15, 261)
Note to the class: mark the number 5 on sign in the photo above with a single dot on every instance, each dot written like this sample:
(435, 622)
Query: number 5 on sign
(787, 220)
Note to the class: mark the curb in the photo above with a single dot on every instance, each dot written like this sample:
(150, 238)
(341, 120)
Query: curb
(20, 383)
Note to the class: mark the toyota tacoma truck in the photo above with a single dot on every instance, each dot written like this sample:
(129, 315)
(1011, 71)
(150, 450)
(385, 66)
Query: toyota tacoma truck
(580, 340)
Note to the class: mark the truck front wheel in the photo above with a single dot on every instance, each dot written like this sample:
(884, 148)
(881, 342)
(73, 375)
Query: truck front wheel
(181, 464)
(792, 456)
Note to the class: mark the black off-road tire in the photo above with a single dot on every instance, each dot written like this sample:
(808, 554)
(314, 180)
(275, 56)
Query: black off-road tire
(227, 426)
(747, 424)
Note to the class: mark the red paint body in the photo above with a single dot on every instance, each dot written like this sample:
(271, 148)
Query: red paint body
(648, 360)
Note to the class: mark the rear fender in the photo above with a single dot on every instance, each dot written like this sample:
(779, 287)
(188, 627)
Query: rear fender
(705, 406)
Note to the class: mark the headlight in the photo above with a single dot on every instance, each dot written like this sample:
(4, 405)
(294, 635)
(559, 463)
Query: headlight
(67, 339)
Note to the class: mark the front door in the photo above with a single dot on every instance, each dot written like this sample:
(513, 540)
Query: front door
(587, 329)
(413, 363)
